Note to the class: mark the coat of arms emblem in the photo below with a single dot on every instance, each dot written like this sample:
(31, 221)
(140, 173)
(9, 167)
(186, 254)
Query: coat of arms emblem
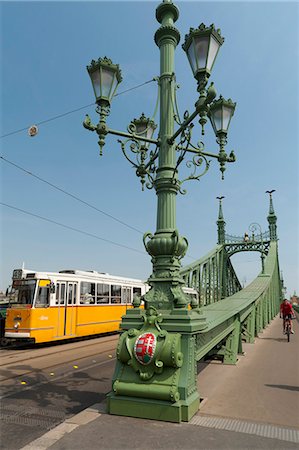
(144, 348)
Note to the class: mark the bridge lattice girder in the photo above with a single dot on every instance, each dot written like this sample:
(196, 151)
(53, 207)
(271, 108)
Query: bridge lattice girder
(243, 315)
(213, 276)
(251, 246)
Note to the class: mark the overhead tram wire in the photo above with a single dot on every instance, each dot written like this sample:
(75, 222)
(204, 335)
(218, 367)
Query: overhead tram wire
(60, 189)
(69, 194)
(75, 197)
(74, 110)
(73, 229)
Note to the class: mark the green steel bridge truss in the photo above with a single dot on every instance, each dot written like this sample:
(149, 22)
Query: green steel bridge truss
(164, 387)
(234, 315)
(242, 314)
(213, 276)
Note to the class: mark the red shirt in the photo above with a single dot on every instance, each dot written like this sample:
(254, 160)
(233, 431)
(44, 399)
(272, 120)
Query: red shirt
(286, 308)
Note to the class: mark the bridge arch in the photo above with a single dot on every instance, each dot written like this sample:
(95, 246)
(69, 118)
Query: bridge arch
(255, 246)
(214, 276)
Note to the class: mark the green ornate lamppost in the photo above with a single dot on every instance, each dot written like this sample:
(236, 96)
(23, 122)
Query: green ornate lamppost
(155, 374)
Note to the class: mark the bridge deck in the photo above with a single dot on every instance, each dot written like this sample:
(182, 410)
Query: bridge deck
(262, 387)
(216, 313)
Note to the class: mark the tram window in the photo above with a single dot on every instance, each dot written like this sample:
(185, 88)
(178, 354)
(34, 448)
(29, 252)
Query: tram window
(136, 291)
(115, 293)
(60, 294)
(26, 293)
(75, 294)
(42, 299)
(70, 295)
(87, 293)
(126, 295)
(102, 293)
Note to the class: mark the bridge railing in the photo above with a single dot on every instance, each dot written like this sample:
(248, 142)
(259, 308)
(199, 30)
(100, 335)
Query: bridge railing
(265, 236)
(170, 345)
(213, 276)
(243, 315)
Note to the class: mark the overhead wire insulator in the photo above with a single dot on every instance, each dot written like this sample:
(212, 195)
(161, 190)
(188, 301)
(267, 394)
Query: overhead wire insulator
(33, 130)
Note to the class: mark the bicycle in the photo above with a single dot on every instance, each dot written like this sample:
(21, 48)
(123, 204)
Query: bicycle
(288, 328)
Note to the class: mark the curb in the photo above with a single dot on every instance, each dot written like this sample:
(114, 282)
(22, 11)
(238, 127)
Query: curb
(54, 435)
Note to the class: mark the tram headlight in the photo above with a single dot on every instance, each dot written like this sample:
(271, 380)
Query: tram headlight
(16, 325)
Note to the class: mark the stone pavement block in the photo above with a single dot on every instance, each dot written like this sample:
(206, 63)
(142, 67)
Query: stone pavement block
(50, 437)
(40, 444)
(99, 407)
(84, 417)
(263, 387)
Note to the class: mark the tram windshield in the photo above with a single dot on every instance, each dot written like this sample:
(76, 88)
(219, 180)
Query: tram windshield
(24, 291)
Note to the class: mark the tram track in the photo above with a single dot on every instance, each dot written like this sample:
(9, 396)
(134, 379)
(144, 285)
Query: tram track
(55, 349)
(56, 378)
(40, 367)
(52, 366)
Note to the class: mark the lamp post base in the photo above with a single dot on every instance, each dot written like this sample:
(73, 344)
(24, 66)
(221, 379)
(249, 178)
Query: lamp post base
(181, 411)
(156, 372)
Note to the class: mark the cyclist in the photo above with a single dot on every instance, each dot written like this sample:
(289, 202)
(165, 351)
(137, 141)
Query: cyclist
(287, 313)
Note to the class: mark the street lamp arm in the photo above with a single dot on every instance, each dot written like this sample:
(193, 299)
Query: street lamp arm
(123, 147)
(198, 161)
(183, 127)
(153, 156)
(133, 136)
(197, 151)
(144, 160)
(201, 108)
(89, 126)
(200, 152)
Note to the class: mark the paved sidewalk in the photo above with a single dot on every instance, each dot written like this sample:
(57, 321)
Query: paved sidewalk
(253, 405)
(263, 386)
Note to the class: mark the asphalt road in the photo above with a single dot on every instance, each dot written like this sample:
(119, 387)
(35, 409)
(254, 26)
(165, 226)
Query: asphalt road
(43, 391)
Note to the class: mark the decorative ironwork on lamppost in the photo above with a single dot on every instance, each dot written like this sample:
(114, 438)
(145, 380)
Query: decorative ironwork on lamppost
(161, 337)
(145, 160)
(253, 227)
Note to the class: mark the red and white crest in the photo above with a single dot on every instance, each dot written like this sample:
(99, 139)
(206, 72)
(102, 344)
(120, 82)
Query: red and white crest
(144, 348)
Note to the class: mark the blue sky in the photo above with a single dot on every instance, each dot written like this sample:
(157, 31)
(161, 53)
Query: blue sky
(45, 49)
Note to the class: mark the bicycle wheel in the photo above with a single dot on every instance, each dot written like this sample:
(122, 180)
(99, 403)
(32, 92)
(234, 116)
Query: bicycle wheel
(288, 332)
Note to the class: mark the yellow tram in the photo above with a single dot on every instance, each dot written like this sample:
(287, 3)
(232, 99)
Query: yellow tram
(68, 304)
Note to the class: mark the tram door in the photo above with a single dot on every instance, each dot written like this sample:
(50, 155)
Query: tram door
(66, 294)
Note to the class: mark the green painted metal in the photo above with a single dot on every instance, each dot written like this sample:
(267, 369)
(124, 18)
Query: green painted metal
(221, 223)
(213, 276)
(272, 219)
(218, 328)
(225, 338)
(249, 327)
(247, 307)
(221, 327)
(170, 383)
(155, 373)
